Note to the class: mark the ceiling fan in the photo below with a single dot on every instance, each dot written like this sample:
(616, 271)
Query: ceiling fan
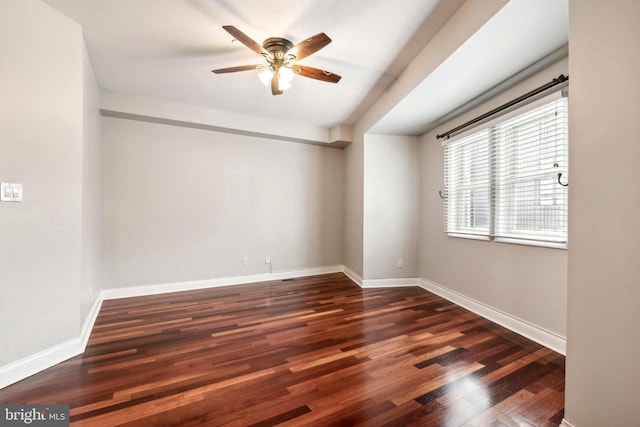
(282, 56)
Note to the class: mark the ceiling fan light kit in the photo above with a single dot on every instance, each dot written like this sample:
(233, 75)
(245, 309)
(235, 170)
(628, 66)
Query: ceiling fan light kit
(285, 75)
(281, 57)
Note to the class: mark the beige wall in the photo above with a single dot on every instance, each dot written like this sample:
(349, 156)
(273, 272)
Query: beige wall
(604, 227)
(390, 206)
(91, 190)
(354, 203)
(526, 282)
(41, 131)
(185, 204)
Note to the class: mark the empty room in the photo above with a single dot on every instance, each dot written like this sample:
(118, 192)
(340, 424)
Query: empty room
(323, 213)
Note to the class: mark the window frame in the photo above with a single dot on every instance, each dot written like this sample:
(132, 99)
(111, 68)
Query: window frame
(540, 177)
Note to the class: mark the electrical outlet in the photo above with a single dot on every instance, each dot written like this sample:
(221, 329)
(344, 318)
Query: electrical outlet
(245, 261)
(267, 259)
(10, 192)
(399, 263)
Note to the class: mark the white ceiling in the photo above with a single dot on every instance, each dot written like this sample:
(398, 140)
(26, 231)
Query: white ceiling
(166, 49)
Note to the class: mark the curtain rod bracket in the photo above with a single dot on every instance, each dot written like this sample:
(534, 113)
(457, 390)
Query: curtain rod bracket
(559, 182)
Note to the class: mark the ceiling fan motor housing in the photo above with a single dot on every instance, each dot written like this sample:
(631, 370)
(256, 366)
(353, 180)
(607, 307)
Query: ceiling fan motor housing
(277, 47)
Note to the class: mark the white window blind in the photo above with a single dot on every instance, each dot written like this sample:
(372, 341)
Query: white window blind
(468, 185)
(502, 182)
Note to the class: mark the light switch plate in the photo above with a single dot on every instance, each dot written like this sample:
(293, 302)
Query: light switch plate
(10, 192)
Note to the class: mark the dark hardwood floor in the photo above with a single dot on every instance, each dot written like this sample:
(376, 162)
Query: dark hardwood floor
(312, 351)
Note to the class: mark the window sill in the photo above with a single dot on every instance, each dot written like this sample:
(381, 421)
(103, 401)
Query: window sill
(512, 241)
(469, 236)
(551, 245)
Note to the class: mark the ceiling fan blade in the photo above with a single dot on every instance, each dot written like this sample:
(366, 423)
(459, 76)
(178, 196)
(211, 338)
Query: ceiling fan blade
(275, 86)
(244, 39)
(236, 69)
(315, 73)
(310, 45)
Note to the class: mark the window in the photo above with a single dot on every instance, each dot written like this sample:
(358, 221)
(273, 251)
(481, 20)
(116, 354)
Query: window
(502, 182)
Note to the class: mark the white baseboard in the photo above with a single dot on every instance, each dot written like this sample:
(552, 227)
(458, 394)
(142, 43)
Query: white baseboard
(566, 423)
(87, 327)
(390, 283)
(519, 326)
(137, 291)
(352, 275)
(23, 368)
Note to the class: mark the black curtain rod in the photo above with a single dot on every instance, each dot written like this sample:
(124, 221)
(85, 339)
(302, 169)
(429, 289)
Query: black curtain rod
(561, 79)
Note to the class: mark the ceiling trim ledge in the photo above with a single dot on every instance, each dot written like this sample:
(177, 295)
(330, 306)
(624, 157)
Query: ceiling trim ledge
(153, 110)
(519, 77)
(468, 19)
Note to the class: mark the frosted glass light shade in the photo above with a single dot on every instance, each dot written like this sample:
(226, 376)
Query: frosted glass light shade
(284, 78)
(265, 76)
(286, 75)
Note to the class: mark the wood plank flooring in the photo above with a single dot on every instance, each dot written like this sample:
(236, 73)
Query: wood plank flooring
(311, 351)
